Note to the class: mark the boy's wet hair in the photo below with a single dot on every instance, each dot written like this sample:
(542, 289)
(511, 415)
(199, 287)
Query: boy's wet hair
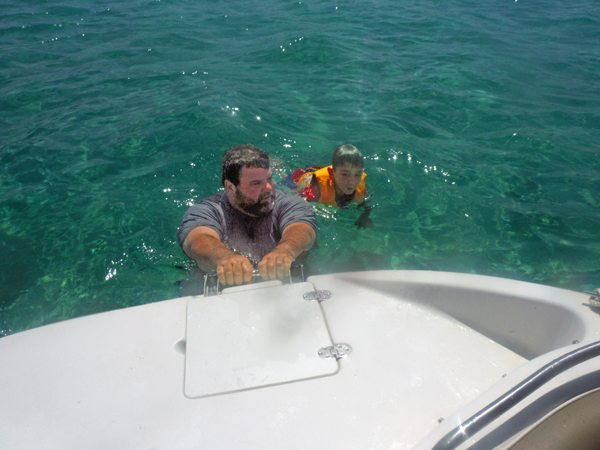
(240, 156)
(347, 154)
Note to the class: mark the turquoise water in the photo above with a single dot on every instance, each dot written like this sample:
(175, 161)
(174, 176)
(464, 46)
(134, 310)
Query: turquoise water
(479, 120)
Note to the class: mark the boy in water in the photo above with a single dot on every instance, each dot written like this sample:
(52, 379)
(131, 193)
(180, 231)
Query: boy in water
(338, 185)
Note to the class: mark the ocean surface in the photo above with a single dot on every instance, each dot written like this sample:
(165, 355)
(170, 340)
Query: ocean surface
(479, 122)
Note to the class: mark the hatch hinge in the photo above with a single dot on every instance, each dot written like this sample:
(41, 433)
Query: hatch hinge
(337, 351)
(317, 295)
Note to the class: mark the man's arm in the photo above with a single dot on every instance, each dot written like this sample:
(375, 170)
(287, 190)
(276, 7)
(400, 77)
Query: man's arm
(296, 238)
(203, 245)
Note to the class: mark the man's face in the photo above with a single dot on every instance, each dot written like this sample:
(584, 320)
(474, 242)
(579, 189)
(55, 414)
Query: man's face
(255, 195)
(346, 178)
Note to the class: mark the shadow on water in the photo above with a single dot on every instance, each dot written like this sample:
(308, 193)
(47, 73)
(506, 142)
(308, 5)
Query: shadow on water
(18, 268)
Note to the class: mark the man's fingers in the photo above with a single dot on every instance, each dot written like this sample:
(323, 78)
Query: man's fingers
(248, 270)
(262, 269)
(268, 267)
(221, 274)
(242, 271)
(236, 270)
(228, 273)
(275, 266)
(272, 267)
(283, 268)
(225, 273)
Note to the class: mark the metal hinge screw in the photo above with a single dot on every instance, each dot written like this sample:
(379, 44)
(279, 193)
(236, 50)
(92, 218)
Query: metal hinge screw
(317, 295)
(336, 351)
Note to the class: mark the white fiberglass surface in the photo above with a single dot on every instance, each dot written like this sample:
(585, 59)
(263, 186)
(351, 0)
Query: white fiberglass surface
(257, 338)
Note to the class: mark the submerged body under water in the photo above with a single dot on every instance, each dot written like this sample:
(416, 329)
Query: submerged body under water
(479, 122)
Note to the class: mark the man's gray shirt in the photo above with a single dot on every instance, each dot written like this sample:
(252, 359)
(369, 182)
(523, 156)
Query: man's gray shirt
(252, 237)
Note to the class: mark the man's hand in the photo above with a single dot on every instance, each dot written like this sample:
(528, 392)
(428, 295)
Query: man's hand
(296, 238)
(234, 269)
(275, 265)
(204, 246)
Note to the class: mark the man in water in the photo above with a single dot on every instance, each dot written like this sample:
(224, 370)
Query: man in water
(248, 224)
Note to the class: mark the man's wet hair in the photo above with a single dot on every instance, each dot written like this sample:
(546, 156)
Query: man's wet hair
(347, 154)
(240, 156)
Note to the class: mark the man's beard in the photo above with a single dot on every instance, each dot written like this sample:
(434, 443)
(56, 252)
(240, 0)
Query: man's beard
(262, 206)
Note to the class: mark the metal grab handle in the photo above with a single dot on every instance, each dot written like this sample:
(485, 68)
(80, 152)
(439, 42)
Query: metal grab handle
(213, 287)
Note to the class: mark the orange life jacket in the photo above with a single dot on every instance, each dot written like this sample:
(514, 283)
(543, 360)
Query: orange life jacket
(327, 197)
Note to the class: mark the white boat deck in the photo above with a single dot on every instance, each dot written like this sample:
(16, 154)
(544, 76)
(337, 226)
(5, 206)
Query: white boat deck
(421, 343)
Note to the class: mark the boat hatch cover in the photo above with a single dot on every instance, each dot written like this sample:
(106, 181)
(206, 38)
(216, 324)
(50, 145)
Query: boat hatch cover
(252, 339)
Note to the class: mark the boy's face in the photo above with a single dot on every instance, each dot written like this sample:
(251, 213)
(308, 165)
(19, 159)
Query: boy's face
(346, 178)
